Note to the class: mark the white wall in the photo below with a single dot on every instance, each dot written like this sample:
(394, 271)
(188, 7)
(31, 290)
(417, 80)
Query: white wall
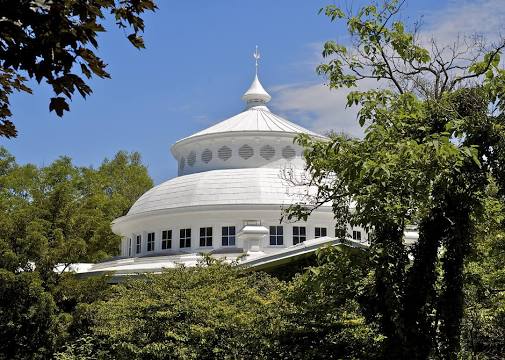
(235, 161)
(216, 220)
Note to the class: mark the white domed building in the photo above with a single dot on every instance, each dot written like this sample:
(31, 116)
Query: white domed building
(227, 199)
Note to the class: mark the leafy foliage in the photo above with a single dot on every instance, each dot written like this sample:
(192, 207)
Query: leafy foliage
(56, 41)
(54, 216)
(484, 319)
(217, 311)
(327, 316)
(434, 137)
(191, 313)
(28, 317)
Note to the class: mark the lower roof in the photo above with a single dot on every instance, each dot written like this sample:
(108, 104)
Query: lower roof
(251, 261)
(258, 186)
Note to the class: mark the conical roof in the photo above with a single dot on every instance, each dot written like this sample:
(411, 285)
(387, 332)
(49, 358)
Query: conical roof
(257, 117)
(256, 94)
(254, 119)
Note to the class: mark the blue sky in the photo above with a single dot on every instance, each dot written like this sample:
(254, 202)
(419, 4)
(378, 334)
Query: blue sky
(197, 64)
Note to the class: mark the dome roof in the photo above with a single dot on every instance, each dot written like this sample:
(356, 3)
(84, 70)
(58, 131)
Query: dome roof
(258, 186)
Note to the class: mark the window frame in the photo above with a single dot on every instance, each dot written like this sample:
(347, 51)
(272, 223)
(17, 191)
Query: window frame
(298, 237)
(206, 236)
(151, 239)
(185, 240)
(356, 235)
(323, 231)
(166, 239)
(276, 237)
(228, 238)
(138, 244)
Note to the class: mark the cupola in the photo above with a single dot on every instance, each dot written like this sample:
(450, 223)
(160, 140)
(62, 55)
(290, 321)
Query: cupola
(256, 95)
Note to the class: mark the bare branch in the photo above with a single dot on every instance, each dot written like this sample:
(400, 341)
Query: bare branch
(494, 53)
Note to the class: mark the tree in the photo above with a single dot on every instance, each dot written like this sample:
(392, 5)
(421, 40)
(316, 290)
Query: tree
(326, 309)
(211, 311)
(219, 311)
(56, 41)
(29, 325)
(56, 215)
(483, 335)
(434, 136)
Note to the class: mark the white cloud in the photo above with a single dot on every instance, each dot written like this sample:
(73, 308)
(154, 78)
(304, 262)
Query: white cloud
(317, 107)
(466, 17)
(320, 109)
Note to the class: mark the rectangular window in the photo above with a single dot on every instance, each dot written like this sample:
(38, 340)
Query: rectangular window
(299, 234)
(356, 235)
(185, 238)
(150, 241)
(166, 239)
(205, 236)
(276, 235)
(320, 232)
(130, 247)
(228, 235)
(139, 244)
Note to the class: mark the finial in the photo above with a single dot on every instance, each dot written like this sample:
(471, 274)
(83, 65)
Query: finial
(257, 56)
(256, 95)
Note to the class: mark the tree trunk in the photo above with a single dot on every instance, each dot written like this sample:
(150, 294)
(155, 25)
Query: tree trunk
(420, 292)
(390, 259)
(451, 301)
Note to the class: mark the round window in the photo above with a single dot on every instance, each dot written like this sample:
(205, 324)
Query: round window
(224, 153)
(245, 152)
(206, 156)
(191, 158)
(288, 152)
(267, 152)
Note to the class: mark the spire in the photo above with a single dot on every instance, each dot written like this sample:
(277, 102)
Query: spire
(256, 94)
(256, 56)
